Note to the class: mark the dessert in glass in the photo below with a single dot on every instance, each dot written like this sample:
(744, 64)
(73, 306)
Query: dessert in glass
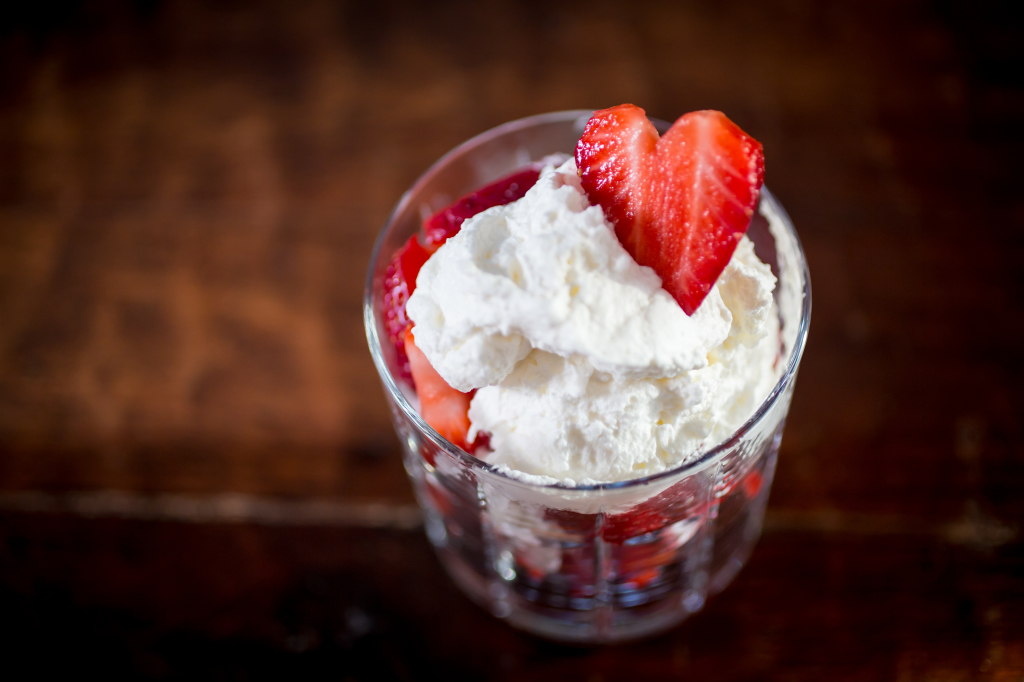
(600, 463)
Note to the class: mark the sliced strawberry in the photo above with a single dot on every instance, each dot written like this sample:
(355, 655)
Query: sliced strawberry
(446, 222)
(645, 577)
(441, 406)
(645, 518)
(399, 283)
(752, 483)
(680, 203)
(616, 528)
(573, 522)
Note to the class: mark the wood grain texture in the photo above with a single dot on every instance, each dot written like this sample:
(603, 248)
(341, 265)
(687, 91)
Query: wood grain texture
(189, 193)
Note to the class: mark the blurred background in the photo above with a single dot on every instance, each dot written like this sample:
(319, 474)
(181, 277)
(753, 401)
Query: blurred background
(198, 476)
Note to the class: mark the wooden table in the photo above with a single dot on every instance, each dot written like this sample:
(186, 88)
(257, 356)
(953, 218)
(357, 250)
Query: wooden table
(198, 477)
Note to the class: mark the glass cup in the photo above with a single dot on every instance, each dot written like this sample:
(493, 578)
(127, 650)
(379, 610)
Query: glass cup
(592, 563)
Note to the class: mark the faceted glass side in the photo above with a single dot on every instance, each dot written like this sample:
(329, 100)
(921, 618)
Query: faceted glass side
(591, 570)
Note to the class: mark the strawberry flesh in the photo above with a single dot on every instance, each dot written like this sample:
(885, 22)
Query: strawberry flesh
(616, 528)
(752, 483)
(640, 521)
(448, 221)
(679, 203)
(441, 406)
(399, 283)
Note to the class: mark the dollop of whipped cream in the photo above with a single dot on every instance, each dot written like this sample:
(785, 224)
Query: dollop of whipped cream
(586, 368)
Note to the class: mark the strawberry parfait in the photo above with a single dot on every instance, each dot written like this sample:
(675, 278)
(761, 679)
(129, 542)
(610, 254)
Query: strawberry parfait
(589, 360)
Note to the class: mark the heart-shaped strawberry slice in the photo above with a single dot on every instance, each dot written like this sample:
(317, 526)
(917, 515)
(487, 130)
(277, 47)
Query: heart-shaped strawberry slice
(680, 203)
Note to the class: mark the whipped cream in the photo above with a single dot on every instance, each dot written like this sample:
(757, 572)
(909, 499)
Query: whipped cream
(586, 369)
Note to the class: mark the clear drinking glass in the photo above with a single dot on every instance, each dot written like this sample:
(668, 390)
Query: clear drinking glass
(597, 563)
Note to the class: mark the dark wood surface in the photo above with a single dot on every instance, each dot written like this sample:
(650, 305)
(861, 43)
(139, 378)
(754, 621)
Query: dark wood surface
(198, 478)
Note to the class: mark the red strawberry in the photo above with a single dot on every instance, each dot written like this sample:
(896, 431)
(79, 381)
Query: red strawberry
(573, 522)
(677, 503)
(752, 483)
(446, 222)
(646, 576)
(679, 204)
(399, 283)
(617, 528)
(639, 521)
(444, 408)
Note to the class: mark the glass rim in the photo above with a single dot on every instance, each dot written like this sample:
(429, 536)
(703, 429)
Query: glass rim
(475, 463)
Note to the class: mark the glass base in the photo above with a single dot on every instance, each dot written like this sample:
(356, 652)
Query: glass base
(567, 582)
(563, 625)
